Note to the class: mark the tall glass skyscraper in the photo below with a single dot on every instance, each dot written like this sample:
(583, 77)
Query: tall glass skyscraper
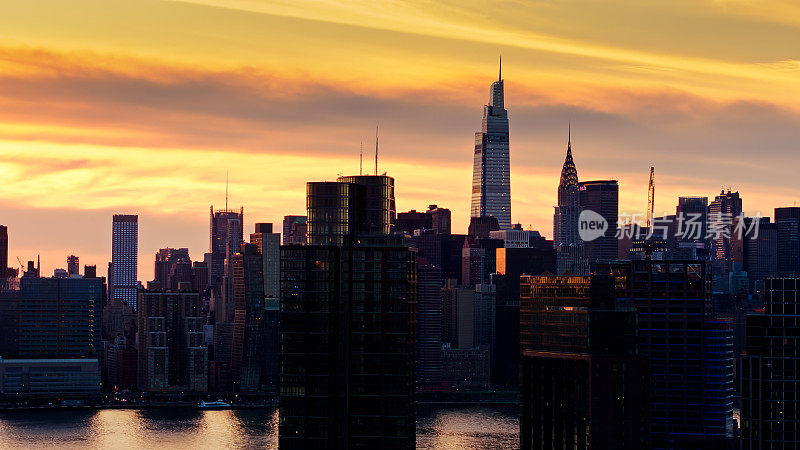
(124, 251)
(491, 179)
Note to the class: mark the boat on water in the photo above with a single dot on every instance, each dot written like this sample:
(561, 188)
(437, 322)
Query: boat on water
(218, 404)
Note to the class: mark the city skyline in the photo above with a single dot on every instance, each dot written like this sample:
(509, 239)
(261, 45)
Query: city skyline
(645, 97)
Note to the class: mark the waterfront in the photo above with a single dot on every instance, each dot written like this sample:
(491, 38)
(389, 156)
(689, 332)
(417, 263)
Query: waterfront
(438, 427)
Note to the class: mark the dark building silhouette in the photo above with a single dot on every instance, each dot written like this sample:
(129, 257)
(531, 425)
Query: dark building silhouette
(722, 213)
(348, 309)
(429, 324)
(171, 352)
(787, 222)
(379, 215)
(770, 412)
(60, 317)
(483, 226)
(249, 324)
(89, 271)
(583, 383)
(3, 255)
(692, 216)
(172, 267)
(757, 253)
(268, 244)
(512, 263)
(294, 229)
(690, 353)
(602, 197)
(73, 265)
(435, 219)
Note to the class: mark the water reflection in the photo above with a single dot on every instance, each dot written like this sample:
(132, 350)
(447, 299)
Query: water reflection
(187, 428)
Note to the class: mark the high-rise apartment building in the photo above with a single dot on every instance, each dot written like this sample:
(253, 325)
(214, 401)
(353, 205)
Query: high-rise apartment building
(124, 258)
(429, 324)
(491, 170)
(171, 353)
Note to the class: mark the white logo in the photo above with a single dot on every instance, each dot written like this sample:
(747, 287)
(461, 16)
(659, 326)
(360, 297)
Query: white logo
(591, 225)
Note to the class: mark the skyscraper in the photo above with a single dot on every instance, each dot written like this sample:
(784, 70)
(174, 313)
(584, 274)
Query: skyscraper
(787, 221)
(602, 197)
(73, 265)
(491, 170)
(721, 215)
(227, 231)
(3, 255)
(172, 266)
(269, 246)
(248, 352)
(769, 382)
(294, 230)
(348, 303)
(570, 251)
(124, 258)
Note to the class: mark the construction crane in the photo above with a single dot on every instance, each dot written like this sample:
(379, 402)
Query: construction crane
(651, 197)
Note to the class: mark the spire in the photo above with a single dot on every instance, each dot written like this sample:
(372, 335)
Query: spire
(569, 173)
(500, 72)
(361, 160)
(376, 150)
(226, 190)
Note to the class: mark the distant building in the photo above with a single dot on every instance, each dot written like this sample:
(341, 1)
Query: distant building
(429, 324)
(171, 352)
(435, 219)
(465, 367)
(722, 213)
(60, 317)
(172, 267)
(491, 170)
(757, 254)
(73, 265)
(458, 315)
(483, 226)
(692, 215)
(294, 230)
(249, 324)
(570, 250)
(124, 258)
(4, 273)
(602, 197)
(770, 413)
(55, 377)
(787, 222)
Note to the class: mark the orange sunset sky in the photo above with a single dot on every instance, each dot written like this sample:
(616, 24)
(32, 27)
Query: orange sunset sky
(141, 107)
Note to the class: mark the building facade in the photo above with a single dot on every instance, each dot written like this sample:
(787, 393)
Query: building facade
(770, 412)
(124, 282)
(570, 250)
(602, 197)
(491, 170)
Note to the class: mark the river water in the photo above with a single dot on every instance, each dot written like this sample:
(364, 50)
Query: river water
(438, 427)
